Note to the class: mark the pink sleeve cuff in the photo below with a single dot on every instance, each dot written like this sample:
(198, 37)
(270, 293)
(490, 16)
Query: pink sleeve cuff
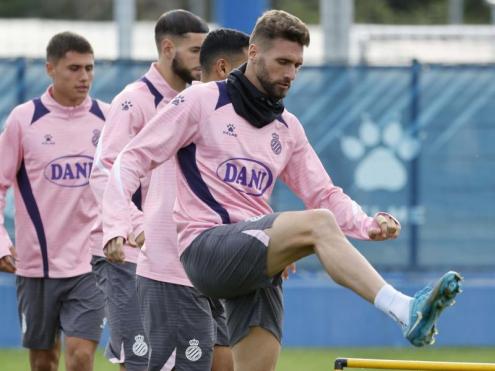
(5, 244)
(114, 233)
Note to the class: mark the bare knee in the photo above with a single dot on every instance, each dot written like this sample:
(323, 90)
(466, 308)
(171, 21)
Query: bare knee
(44, 360)
(320, 223)
(222, 359)
(260, 342)
(80, 359)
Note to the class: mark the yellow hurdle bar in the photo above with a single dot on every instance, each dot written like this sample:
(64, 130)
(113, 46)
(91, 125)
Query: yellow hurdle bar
(390, 364)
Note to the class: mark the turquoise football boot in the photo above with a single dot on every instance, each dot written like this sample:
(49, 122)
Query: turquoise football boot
(427, 306)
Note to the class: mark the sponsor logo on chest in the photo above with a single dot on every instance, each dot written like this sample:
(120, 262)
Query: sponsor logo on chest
(246, 175)
(69, 171)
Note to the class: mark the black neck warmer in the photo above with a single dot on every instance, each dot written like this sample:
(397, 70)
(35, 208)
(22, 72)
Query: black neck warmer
(257, 108)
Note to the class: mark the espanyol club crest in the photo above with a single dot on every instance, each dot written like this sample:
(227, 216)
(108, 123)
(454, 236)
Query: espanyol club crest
(276, 145)
(139, 348)
(193, 351)
(96, 137)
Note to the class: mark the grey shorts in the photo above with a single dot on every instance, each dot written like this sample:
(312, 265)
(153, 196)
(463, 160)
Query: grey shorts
(47, 306)
(179, 318)
(229, 261)
(127, 343)
(220, 320)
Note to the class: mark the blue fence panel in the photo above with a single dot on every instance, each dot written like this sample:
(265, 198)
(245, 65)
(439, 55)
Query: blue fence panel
(416, 141)
(411, 140)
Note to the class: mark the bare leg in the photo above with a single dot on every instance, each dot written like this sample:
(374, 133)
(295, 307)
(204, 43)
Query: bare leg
(300, 233)
(79, 354)
(222, 359)
(258, 351)
(45, 359)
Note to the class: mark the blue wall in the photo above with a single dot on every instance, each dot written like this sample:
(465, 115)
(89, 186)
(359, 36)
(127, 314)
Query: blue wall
(320, 314)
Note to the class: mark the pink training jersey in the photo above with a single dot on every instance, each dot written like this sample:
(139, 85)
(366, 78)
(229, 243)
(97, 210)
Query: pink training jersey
(131, 110)
(227, 167)
(46, 152)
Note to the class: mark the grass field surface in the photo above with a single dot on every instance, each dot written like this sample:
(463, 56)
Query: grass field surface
(299, 359)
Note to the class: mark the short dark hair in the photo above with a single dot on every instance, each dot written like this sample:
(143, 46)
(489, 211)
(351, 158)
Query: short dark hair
(64, 42)
(177, 23)
(224, 42)
(275, 24)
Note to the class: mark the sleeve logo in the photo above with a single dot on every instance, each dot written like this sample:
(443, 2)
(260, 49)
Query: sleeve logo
(126, 105)
(178, 99)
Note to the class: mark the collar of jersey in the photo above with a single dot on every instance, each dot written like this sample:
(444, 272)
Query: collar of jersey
(54, 106)
(248, 102)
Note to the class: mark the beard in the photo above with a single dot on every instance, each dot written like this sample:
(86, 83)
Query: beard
(183, 72)
(269, 85)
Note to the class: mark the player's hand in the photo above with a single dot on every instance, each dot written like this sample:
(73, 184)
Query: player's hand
(7, 263)
(388, 228)
(114, 250)
(290, 268)
(136, 241)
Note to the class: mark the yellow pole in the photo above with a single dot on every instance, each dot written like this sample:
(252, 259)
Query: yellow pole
(390, 364)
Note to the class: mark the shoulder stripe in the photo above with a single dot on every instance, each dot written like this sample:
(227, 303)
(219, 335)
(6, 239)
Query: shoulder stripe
(154, 91)
(39, 110)
(281, 119)
(96, 110)
(223, 96)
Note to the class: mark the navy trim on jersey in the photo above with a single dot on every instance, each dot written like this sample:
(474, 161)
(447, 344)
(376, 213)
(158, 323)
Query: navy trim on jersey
(96, 110)
(39, 110)
(223, 96)
(187, 162)
(137, 198)
(34, 213)
(154, 91)
(281, 119)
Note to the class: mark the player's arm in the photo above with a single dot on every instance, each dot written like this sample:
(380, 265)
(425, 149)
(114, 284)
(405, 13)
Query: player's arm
(123, 122)
(172, 128)
(11, 157)
(307, 177)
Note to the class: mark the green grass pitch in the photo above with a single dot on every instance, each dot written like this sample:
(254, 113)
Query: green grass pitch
(300, 359)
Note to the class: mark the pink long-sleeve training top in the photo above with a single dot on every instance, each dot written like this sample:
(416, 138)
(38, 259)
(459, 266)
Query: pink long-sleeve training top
(46, 153)
(226, 167)
(129, 114)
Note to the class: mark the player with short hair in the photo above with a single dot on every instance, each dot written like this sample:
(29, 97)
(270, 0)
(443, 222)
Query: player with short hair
(173, 315)
(47, 150)
(159, 282)
(232, 140)
(223, 50)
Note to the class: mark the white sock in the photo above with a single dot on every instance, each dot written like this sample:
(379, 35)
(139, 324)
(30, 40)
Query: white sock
(395, 304)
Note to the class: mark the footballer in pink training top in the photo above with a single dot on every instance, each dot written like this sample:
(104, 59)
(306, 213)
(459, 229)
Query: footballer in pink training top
(173, 313)
(232, 139)
(47, 150)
